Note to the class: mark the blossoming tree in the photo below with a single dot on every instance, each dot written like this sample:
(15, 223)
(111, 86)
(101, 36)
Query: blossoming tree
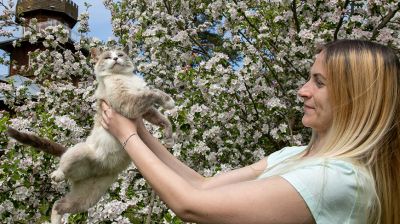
(233, 68)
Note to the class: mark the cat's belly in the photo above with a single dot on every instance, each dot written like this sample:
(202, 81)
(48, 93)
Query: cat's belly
(103, 141)
(108, 151)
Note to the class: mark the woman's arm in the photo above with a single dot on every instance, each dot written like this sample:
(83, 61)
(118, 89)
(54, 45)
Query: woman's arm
(271, 200)
(265, 201)
(243, 174)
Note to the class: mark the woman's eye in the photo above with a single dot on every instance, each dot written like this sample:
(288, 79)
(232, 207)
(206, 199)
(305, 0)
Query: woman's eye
(318, 80)
(319, 83)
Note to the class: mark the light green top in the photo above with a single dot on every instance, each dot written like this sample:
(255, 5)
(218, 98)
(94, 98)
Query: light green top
(334, 190)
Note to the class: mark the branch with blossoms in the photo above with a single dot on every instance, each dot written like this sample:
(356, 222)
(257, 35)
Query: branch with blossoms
(386, 19)
(7, 23)
(295, 18)
(270, 43)
(232, 67)
(340, 22)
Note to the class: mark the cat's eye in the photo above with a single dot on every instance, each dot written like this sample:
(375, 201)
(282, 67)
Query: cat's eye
(120, 55)
(108, 57)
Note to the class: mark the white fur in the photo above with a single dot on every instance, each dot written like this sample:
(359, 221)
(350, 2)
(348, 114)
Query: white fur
(92, 166)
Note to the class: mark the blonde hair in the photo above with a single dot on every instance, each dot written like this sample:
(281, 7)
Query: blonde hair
(363, 80)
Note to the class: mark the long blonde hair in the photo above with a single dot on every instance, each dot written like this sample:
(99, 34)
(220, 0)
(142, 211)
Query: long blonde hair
(364, 89)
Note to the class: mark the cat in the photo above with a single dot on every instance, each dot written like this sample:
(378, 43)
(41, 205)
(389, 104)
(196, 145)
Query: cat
(92, 166)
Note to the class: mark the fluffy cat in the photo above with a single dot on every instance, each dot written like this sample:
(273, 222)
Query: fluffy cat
(92, 166)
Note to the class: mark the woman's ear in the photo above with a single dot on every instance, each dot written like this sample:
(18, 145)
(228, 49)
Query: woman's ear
(94, 54)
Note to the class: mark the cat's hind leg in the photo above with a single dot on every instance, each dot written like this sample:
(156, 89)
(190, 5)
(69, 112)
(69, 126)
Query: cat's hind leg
(156, 117)
(83, 195)
(75, 164)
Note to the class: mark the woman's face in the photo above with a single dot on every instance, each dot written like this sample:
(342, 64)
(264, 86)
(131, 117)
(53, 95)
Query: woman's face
(317, 109)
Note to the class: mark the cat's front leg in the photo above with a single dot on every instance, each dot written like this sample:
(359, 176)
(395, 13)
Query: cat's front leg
(155, 117)
(57, 175)
(150, 98)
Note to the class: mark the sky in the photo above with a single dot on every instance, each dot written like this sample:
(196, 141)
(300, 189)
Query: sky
(99, 22)
(99, 19)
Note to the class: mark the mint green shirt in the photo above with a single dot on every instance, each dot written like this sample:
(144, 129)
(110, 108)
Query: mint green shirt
(334, 190)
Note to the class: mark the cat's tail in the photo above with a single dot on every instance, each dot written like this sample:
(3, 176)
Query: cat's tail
(37, 142)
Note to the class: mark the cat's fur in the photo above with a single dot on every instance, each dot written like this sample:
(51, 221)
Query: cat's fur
(92, 166)
(37, 142)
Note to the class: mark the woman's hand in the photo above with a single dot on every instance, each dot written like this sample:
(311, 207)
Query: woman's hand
(118, 125)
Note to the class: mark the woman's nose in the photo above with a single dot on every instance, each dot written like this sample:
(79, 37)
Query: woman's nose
(304, 91)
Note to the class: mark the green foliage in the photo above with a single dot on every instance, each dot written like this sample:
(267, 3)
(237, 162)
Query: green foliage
(232, 67)
(4, 123)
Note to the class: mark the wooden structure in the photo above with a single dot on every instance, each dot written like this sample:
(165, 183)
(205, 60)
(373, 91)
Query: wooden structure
(47, 13)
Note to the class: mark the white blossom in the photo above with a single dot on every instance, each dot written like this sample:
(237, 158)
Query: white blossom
(232, 67)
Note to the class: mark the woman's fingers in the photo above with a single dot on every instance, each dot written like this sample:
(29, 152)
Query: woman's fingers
(104, 124)
(104, 105)
(104, 114)
(104, 120)
(115, 123)
(106, 109)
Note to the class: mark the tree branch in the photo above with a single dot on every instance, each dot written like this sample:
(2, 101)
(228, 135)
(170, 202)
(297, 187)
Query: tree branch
(272, 45)
(193, 40)
(264, 61)
(151, 205)
(252, 100)
(340, 23)
(384, 21)
(243, 111)
(199, 45)
(167, 6)
(2, 4)
(295, 18)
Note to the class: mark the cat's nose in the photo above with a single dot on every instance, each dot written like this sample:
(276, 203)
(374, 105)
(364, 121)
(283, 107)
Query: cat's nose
(115, 58)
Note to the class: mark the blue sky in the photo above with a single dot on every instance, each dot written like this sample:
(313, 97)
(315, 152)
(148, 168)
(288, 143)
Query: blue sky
(99, 22)
(99, 19)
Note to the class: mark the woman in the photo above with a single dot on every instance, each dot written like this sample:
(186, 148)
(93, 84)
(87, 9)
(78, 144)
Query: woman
(348, 173)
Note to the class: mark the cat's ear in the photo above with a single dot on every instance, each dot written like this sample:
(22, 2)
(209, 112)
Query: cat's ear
(95, 54)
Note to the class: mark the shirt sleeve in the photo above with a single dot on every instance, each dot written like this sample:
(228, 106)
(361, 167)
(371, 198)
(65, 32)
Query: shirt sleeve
(283, 154)
(330, 190)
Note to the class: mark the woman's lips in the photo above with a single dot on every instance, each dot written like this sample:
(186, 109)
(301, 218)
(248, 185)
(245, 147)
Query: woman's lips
(307, 108)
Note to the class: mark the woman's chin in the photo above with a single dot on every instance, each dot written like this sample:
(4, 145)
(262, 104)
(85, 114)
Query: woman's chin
(306, 121)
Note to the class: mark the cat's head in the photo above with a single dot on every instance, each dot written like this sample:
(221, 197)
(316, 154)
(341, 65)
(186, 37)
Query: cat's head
(110, 62)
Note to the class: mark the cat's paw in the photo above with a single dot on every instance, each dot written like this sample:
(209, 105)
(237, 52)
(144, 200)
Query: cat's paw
(57, 176)
(55, 217)
(169, 143)
(169, 104)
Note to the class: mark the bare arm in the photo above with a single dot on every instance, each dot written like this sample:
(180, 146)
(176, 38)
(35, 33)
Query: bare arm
(262, 201)
(243, 174)
(232, 200)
